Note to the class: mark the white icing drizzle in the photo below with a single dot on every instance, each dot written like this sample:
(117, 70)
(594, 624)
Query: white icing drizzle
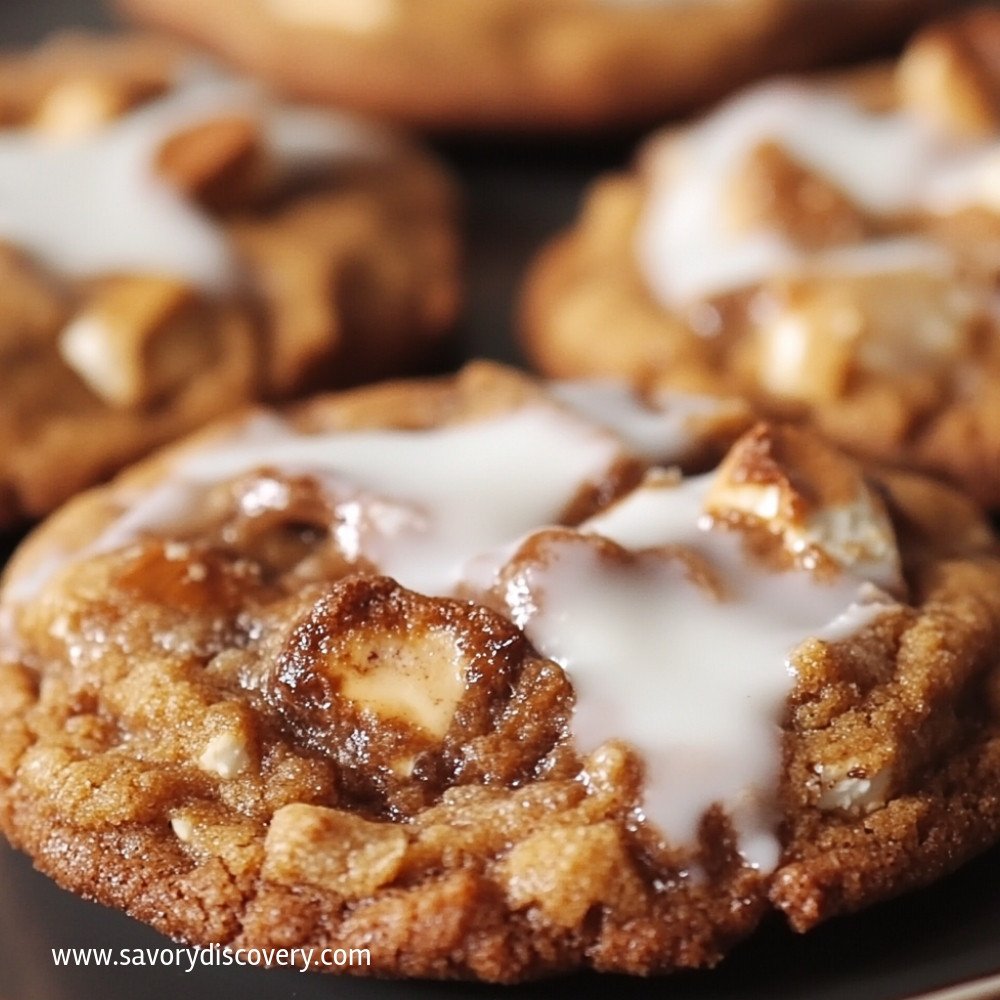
(695, 683)
(93, 205)
(658, 432)
(886, 163)
(418, 504)
(870, 605)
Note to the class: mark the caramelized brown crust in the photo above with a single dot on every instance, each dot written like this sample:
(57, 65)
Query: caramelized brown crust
(303, 753)
(929, 407)
(529, 64)
(349, 274)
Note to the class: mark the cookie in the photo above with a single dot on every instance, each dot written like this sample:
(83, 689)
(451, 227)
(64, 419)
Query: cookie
(175, 243)
(455, 671)
(529, 64)
(830, 249)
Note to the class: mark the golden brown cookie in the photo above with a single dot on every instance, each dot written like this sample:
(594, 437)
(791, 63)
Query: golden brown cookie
(455, 672)
(529, 64)
(829, 249)
(175, 243)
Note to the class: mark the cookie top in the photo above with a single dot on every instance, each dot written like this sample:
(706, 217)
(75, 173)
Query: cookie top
(828, 248)
(529, 64)
(459, 672)
(175, 242)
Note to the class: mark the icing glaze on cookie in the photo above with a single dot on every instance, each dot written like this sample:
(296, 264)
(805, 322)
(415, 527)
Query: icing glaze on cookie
(93, 205)
(658, 431)
(378, 497)
(417, 504)
(695, 680)
(885, 163)
(681, 643)
(393, 485)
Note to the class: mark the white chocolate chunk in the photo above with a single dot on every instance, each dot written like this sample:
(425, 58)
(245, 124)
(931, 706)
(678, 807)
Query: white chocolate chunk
(420, 683)
(845, 792)
(225, 755)
(812, 497)
(183, 828)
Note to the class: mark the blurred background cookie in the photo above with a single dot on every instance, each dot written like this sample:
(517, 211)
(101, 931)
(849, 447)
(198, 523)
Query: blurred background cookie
(829, 248)
(175, 242)
(529, 64)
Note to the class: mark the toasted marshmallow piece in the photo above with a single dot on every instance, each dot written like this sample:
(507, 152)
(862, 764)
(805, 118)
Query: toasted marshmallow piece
(815, 336)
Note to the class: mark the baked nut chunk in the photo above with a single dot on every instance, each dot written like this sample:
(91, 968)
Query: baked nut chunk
(529, 64)
(175, 243)
(829, 249)
(449, 671)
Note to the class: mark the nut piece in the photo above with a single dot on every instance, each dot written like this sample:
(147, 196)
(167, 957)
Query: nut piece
(817, 335)
(338, 851)
(222, 163)
(136, 338)
(790, 482)
(773, 190)
(950, 74)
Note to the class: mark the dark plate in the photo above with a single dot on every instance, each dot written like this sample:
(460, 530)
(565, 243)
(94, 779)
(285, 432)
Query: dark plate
(517, 196)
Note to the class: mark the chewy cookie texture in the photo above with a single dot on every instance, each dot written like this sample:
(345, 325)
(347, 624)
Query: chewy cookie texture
(281, 685)
(175, 243)
(529, 65)
(829, 249)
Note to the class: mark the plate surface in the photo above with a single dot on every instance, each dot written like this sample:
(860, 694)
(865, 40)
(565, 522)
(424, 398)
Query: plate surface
(517, 197)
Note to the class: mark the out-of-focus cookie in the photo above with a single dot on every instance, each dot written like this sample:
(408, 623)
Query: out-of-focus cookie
(828, 249)
(529, 64)
(457, 673)
(175, 243)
